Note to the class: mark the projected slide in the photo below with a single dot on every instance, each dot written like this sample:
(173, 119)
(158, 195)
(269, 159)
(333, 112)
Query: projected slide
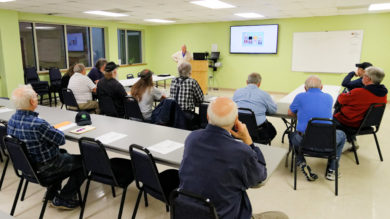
(254, 39)
(75, 42)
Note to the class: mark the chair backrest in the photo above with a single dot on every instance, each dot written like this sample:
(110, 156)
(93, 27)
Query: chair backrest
(4, 98)
(17, 152)
(320, 136)
(203, 114)
(69, 99)
(3, 133)
(186, 205)
(247, 116)
(54, 74)
(106, 105)
(129, 76)
(95, 159)
(373, 116)
(145, 172)
(132, 110)
(30, 75)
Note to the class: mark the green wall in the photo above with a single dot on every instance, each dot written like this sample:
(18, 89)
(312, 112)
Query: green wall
(274, 68)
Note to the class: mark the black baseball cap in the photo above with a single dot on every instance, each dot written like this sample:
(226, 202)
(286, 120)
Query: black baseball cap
(111, 66)
(83, 118)
(363, 65)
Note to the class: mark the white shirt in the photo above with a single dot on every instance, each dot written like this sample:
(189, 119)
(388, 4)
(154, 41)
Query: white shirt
(146, 103)
(178, 57)
(81, 86)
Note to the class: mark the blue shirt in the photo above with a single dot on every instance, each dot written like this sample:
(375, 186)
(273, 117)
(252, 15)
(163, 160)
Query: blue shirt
(218, 167)
(259, 101)
(95, 74)
(310, 104)
(352, 84)
(42, 139)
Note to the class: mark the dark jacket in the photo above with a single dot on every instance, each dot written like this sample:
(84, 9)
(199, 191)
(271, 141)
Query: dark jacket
(352, 84)
(112, 89)
(95, 74)
(169, 113)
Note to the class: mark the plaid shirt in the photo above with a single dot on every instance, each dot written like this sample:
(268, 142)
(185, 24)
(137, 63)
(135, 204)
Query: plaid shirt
(42, 139)
(189, 95)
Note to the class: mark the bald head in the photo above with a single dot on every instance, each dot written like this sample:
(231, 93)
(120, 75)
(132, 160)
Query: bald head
(313, 81)
(183, 48)
(222, 112)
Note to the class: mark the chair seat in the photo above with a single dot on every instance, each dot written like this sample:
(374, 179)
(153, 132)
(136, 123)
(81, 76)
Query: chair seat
(122, 170)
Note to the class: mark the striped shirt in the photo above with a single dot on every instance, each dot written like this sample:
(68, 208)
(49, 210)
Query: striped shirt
(81, 86)
(42, 139)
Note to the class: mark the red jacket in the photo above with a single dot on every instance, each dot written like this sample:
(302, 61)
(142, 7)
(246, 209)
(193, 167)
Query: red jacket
(355, 103)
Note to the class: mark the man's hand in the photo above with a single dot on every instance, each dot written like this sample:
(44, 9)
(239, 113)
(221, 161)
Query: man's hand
(242, 133)
(96, 81)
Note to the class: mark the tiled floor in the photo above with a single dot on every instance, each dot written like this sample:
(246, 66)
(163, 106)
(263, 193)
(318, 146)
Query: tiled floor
(364, 189)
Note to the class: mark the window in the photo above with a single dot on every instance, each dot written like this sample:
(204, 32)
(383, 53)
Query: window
(51, 45)
(130, 46)
(27, 44)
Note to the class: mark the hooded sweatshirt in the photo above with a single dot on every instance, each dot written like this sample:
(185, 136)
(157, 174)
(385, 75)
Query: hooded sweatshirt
(355, 103)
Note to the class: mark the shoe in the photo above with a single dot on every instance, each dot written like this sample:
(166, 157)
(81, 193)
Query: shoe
(331, 175)
(356, 146)
(307, 172)
(64, 204)
(50, 196)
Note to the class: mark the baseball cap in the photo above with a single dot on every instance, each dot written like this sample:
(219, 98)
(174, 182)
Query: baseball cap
(111, 66)
(363, 65)
(83, 118)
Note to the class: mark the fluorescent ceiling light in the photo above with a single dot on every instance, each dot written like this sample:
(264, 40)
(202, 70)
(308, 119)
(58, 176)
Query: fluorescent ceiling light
(214, 4)
(249, 15)
(378, 7)
(106, 13)
(7, 0)
(42, 28)
(159, 21)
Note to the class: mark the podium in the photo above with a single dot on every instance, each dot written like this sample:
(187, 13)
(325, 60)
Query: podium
(200, 72)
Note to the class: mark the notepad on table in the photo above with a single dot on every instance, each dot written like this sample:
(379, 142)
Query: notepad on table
(83, 129)
(64, 125)
(110, 137)
(166, 146)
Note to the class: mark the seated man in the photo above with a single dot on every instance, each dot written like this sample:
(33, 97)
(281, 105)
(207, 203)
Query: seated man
(355, 104)
(310, 104)
(96, 72)
(260, 102)
(187, 92)
(42, 142)
(350, 85)
(217, 166)
(109, 87)
(82, 88)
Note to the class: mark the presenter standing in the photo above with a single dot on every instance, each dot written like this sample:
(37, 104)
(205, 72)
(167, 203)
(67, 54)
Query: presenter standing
(182, 55)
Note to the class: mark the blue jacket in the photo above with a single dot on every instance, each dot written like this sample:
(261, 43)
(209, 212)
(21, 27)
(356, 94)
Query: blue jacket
(169, 113)
(218, 167)
(352, 84)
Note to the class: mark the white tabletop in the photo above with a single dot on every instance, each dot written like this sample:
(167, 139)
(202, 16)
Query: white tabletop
(132, 81)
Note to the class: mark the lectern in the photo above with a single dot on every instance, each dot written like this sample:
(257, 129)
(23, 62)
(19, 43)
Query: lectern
(200, 70)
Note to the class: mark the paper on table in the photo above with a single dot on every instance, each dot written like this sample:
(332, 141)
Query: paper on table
(110, 137)
(166, 146)
(5, 109)
(65, 127)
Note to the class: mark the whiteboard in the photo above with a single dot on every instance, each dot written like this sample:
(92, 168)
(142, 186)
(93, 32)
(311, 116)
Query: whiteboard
(326, 52)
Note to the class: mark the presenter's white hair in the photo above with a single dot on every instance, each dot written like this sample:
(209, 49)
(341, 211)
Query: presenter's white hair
(222, 121)
(22, 95)
(313, 81)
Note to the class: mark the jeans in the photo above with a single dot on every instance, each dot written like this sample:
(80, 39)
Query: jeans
(296, 140)
(64, 165)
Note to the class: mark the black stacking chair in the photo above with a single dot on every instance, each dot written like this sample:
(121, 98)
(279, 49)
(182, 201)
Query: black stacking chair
(129, 76)
(186, 205)
(149, 180)
(70, 100)
(55, 83)
(116, 172)
(319, 141)
(25, 171)
(132, 110)
(40, 87)
(203, 115)
(106, 105)
(370, 125)
(3, 133)
(247, 116)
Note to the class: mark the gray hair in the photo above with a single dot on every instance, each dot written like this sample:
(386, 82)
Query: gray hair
(222, 121)
(100, 62)
(79, 68)
(22, 95)
(184, 69)
(254, 78)
(313, 81)
(375, 74)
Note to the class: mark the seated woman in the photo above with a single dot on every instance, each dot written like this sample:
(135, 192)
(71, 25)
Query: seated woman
(145, 93)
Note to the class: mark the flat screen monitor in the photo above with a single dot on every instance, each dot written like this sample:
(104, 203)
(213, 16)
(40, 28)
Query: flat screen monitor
(255, 39)
(75, 42)
(199, 56)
